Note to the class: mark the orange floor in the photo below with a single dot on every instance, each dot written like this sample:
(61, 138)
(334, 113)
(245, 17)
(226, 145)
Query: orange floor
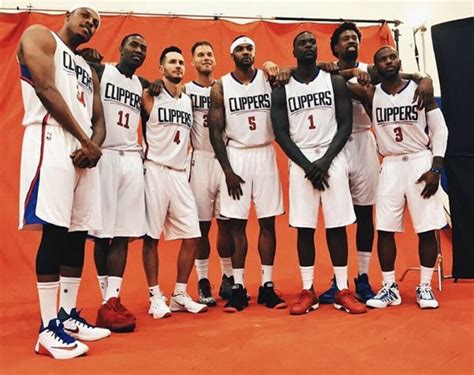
(397, 340)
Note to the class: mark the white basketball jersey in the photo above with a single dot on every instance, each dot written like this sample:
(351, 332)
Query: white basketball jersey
(201, 100)
(360, 119)
(72, 78)
(399, 125)
(121, 98)
(311, 111)
(167, 131)
(247, 111)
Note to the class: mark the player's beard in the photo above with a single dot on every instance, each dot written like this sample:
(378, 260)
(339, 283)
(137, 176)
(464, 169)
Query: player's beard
(391, 75)
(351, 55)
(244, 65)
(173, 79)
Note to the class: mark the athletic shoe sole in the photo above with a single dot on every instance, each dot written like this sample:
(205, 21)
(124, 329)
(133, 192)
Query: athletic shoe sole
(341, 307)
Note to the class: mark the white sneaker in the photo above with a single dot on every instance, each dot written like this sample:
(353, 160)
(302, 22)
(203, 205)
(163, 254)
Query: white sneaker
(183, 302)
(425, 297)
(53, 341)
(77, 327)
(158, 307)
(387, 296)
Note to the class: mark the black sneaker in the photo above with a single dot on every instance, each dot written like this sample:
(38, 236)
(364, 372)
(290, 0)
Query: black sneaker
(364, 291)
(225, 291)
(205, 294)
(268, 297)
(238, 301)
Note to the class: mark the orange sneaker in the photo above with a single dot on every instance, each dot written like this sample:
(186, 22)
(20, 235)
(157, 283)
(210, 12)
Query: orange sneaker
(346, 300)
(110, 316)
(306, 303)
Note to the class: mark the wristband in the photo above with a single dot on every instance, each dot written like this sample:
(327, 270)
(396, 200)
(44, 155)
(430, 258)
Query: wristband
(436, 170)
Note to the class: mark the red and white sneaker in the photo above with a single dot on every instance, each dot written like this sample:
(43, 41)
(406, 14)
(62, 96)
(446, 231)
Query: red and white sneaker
(55, 342)
(308, 301)
(114, 316)
(346, 300)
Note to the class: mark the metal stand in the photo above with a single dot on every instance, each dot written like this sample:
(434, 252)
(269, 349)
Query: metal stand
(438, 267)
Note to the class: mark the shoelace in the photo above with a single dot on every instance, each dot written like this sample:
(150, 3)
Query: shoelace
(425, 292)
(302, 297)
(59, 334)
(79, 319)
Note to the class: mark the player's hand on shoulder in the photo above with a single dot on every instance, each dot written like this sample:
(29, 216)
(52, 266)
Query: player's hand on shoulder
(363, 78)
(431, 180)
(424, 93)
(155, 88)
(91, 55)
(330, 67)
(270, 69)
(233, 182)
(283, 77)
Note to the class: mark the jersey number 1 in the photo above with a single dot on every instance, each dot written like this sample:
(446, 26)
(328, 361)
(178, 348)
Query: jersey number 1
(311, 122)
(176, 139)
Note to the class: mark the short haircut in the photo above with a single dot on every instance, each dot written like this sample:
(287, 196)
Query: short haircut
(301, 33)
(125, 38)
(240, 36)
(337, 33)
(382, 48)
(200, 43)
(168, 50)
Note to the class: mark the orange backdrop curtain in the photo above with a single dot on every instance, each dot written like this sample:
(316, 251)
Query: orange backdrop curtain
(273, 42)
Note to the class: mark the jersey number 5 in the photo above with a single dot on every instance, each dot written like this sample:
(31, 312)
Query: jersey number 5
(252, 123)
(398, 134)
(121, 119)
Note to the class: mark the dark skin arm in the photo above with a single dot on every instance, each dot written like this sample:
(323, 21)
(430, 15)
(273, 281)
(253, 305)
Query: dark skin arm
(431, 178)
(281, 128)
(318, 174)
(98, 127)
(36, 51)
(216, 121)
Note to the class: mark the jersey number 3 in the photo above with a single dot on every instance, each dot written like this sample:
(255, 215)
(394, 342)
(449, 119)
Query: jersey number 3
(398, 134)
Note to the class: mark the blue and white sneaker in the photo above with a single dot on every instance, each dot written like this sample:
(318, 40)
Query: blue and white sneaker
(425, 297)
(328, 296)
(55, 342)
(77, 327)
(389, 295)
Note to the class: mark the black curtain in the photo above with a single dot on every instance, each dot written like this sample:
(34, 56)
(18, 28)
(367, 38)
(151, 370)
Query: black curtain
(453, 44)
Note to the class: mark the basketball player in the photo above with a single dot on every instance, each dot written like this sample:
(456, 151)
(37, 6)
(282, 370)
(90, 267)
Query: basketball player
(59, 186)
(206, 174)
(205, 177)
(240, 108)
(169, 203)
(122, 182)
(361, 153)
(312, 119)
(409, 174)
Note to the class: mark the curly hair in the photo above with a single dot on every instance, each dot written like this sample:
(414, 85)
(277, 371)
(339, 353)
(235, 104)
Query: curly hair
(337, 33)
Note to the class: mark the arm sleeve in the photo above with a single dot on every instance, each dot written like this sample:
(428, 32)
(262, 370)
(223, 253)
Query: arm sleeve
(438, 130)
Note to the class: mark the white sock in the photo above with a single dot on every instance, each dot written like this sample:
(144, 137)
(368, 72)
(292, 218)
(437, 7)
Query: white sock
(266, 274)
(69, 287)
(154, 291)
(238, 276)
(363, 258)
(102, 285)
(426, 273)
(226, 266)
(307, 276)
(48, 299)
(388, 277)
(341, 277)
(113, 287)
(180, 288)
(202, 268)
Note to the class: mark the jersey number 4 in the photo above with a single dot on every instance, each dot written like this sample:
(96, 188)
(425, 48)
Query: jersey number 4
(121, 119)
(177, 138)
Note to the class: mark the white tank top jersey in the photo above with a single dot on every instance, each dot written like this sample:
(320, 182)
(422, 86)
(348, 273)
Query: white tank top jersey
(399, 125)
(360, 119)
(72, 78)
(247, 111)
(201, 100)
(311, 111)
(167, 131)
(121, 98)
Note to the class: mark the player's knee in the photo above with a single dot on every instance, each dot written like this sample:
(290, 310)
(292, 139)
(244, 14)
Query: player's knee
(73, 253)
(267, 224)
(48, 257)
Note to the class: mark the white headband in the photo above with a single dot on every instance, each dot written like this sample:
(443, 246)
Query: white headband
(241, 40)
(87, 6)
